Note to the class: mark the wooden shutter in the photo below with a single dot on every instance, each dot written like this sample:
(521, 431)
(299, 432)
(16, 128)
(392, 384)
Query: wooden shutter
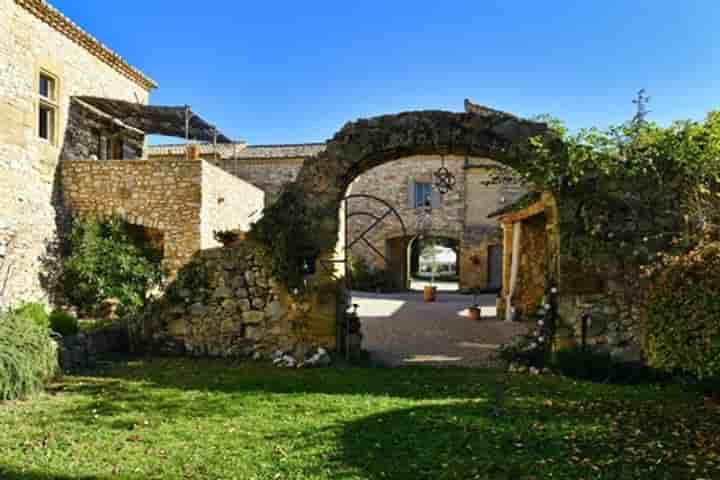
(411, 192)
(435, 198)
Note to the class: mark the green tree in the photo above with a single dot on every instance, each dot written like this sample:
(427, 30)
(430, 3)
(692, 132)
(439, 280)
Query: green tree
(106, 263)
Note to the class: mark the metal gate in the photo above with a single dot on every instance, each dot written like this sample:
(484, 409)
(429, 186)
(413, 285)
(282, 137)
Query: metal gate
(388, 213)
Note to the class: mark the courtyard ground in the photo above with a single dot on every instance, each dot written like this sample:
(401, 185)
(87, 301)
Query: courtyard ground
(402, 329)
(204, 419)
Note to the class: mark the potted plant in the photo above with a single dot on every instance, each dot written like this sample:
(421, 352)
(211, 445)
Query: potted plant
(430, 291)
(474, 308)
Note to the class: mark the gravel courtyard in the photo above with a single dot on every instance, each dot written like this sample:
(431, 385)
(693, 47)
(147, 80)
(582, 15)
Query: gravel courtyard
(401, 329)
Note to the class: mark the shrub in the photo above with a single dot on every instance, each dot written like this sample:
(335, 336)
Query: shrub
(63, 323)
(28, 357)
(524, 350)
(584, 364)
(105, 262)
(227, 237)
(601, 367)
(34, 312)
(683, 313)
(364, 277)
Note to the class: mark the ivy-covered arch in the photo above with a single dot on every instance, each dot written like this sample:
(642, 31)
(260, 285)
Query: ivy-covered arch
(306, 214)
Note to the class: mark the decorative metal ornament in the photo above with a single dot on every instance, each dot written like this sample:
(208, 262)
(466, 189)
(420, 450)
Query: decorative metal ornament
(445, 181)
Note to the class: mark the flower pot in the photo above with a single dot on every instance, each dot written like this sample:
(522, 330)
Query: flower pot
(430, 293)
(474, 313)
(193, 151)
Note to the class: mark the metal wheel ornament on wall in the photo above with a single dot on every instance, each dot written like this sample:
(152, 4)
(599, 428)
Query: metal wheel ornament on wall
(445, 181)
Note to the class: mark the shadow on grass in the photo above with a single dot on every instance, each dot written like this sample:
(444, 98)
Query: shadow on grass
(12, 474)
(475, 441)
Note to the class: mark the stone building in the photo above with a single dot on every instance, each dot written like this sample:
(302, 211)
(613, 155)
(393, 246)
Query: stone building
(45, 60)
(459, 218)
(74, 117)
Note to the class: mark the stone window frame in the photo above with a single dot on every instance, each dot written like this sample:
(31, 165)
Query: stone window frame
(52, 103)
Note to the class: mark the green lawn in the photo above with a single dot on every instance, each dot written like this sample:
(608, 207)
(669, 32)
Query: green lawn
(182, 419)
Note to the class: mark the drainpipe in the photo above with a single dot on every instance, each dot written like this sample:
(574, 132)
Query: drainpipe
(514, 267)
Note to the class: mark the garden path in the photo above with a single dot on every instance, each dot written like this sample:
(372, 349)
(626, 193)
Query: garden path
(401, 329)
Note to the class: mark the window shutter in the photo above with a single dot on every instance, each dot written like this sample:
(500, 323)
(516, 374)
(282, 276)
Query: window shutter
(435, 198)
(411, 192)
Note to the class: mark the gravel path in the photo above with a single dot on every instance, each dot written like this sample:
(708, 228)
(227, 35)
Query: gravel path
(402, 329)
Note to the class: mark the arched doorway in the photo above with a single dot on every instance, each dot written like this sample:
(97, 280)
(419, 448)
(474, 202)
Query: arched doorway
(305, 222)
(434, 260)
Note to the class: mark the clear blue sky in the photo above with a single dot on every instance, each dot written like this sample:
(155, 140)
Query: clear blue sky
(296, 71)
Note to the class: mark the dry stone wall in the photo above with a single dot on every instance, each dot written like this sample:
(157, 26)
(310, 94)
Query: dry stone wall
(29, 197)
(225, 304)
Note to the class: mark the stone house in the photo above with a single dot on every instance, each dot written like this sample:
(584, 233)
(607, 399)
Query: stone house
(459, 218)
(45, 60)
(74, 116)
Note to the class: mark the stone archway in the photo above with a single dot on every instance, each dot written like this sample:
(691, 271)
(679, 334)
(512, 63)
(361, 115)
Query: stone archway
(304, 223)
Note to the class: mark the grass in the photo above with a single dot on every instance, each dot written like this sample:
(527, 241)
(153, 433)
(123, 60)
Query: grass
(192, 419)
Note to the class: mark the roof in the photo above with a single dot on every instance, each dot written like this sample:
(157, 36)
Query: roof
(242, 150)
(520, 204)
(152, 119)
(54, 18)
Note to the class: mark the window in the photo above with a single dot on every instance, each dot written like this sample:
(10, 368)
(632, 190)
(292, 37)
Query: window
(47, 107)
(423, 193)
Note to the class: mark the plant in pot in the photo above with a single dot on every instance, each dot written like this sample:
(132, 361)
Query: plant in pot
(428, 254)
(474, 308)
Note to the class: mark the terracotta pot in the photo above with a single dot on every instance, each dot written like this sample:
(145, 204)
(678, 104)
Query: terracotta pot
(430, 293)
(474, 313)
(193, 151)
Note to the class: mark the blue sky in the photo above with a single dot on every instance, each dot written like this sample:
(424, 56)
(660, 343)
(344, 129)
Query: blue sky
(296, 71)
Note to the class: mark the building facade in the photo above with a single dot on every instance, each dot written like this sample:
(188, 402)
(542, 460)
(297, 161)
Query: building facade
(45, 59)
(459, 218)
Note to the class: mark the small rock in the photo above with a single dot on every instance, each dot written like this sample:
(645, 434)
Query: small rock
(223, 292)
(198, 310)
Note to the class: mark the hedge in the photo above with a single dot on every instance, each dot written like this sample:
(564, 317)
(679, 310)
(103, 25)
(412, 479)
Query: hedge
(683, 314)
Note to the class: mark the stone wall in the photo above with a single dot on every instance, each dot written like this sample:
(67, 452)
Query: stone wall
(228, 203)
(482, 197)
(28, 188)
(90, 135)
(164, 196)
(270, 175)
(224, 304)
(186, 200)
(81, 352)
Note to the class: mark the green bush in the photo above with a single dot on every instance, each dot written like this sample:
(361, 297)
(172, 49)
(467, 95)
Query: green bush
(105, 262)
(683, 313)
(63, 323)
(28, 356)
(363, 277)
(34, 312)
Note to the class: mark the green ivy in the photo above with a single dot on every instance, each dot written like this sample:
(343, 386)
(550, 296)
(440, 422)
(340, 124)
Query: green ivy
(683, 313)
